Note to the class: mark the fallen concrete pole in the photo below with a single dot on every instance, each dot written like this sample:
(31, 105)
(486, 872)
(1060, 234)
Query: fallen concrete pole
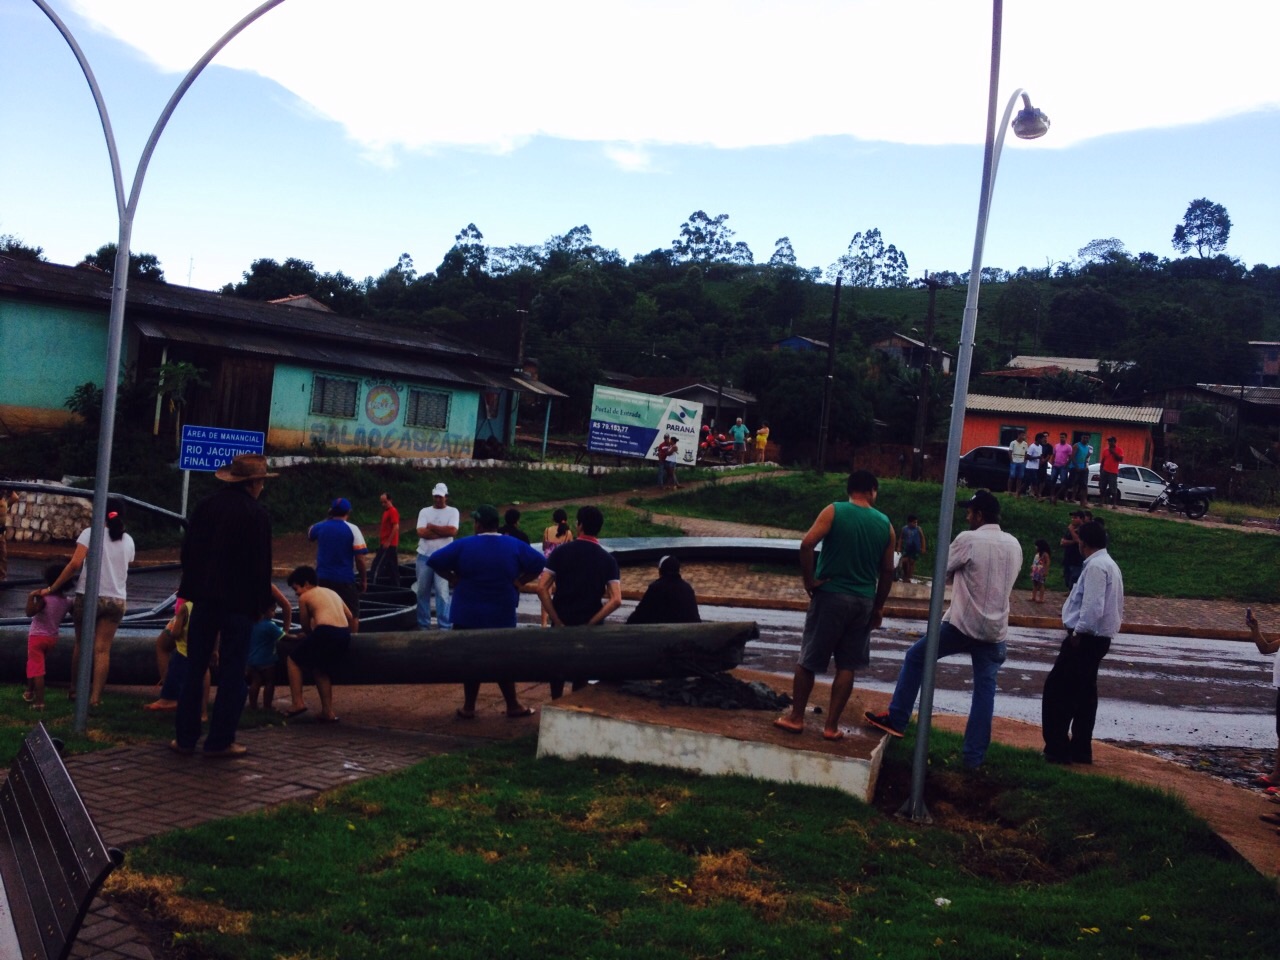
(606, 652)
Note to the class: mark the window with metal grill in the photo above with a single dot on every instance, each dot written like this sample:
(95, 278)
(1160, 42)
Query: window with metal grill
(427, 408)
(334, 397)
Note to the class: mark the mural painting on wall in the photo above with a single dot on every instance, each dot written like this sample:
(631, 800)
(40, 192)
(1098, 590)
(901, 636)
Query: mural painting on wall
(382, 408)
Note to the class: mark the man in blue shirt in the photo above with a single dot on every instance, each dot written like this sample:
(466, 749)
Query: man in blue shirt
(485, 573)
(340, 553)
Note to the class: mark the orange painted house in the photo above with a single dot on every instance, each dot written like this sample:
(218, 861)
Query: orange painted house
(996, 421)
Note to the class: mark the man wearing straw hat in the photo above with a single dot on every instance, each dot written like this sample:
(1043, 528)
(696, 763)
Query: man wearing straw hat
(226, 574)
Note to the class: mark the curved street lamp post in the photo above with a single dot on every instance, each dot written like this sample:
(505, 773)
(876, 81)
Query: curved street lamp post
(1029, 124)
(125, 210)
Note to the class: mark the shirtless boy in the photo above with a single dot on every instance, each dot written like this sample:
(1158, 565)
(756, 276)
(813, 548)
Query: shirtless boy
(327, 623)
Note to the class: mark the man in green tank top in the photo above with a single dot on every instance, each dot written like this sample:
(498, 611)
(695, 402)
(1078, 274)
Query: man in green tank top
(846, 597)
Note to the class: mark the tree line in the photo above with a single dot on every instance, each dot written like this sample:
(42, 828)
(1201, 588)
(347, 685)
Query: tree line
(703, 308)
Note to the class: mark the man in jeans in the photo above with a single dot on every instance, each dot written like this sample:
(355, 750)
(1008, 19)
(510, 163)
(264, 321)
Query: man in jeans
(437, 526)
(854, 573)
(981, 568)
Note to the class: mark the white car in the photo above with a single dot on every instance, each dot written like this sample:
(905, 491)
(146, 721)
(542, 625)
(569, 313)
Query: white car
(1136, 484)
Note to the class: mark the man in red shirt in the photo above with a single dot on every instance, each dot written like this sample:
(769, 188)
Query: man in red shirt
(386, 562)
(1108, 473)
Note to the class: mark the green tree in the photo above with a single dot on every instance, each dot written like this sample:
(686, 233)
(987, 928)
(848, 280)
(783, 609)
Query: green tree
(142, 266)
(704, 239)
(11, 246)
(1205, 226)
(783, 253)
(174, 379)
(870, 262)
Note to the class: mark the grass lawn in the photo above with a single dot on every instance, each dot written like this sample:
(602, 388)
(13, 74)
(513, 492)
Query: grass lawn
(497, 854)
(1159, 556)
(301, 495)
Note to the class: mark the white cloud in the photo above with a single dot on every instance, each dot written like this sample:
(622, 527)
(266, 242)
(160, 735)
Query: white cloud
(630, 158)
(631, 74)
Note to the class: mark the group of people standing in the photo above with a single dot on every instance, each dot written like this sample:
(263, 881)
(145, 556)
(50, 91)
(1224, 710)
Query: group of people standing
(1060, 471)
(849, 582)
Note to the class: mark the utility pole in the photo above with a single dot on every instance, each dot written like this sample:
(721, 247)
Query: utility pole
(825, 421)
(922, 403)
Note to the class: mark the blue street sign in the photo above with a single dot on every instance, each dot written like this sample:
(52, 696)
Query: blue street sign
(208, 448)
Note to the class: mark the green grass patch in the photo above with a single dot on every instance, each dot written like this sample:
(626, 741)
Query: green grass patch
(1160, 557)
(495, 853)
(118, 721)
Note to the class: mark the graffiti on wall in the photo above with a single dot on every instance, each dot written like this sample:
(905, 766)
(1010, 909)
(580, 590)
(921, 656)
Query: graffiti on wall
(392, 442)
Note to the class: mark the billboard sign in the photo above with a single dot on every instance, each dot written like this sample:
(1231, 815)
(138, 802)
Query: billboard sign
(629, 424)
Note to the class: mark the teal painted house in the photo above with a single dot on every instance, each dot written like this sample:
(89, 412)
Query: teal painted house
(292, 369)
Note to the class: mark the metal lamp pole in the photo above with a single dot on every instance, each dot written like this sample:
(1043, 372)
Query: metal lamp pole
(125, 210)
(1029, 124)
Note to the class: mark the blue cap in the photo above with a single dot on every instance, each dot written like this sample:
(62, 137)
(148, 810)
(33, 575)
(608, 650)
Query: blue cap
(340, 506)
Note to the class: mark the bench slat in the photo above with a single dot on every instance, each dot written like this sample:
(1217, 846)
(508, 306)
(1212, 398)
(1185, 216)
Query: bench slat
(52, 859)
(51, 872)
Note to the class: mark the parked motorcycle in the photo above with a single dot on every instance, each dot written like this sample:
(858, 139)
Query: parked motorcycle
(718, 447)
(1193, 501)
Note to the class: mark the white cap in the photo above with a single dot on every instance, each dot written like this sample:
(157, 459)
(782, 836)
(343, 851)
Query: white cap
(439, 490)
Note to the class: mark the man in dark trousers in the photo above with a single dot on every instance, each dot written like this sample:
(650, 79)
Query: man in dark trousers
(226, 574)
(386, 562)
(583, 574)
(1092, 616)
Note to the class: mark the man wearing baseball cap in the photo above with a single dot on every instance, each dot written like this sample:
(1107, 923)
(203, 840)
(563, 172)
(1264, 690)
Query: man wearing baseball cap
(983, 564)
(226, 574)
(437, 526)
(340, 555)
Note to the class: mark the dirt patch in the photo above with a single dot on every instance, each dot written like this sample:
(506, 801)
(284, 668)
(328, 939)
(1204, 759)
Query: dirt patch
(970, 807)
(158, 897)
(733, 876)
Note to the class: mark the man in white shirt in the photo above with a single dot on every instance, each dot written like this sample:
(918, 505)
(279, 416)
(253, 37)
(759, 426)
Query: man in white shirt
(1017, 463)
(982, 566)
(1092, 616)
(437, 526)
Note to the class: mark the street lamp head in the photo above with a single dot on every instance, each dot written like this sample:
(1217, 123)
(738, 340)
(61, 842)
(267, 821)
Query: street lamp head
(1030, 123)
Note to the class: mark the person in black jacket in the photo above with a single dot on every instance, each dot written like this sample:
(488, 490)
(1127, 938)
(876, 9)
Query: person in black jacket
(226, 574)
(669, 599)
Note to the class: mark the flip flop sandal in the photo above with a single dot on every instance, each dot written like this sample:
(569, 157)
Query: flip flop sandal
(785, 727)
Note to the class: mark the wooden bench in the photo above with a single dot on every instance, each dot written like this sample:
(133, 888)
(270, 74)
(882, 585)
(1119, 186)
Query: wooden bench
(52, 859)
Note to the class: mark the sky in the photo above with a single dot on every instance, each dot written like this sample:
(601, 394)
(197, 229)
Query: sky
(348, 133)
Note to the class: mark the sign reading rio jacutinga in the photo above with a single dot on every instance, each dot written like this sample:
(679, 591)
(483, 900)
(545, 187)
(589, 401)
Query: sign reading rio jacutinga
(629, 424)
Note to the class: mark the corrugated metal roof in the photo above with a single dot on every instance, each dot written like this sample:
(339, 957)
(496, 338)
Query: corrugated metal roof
(184, 304)
(1066, 410)
(300, 348)
(1263, 396)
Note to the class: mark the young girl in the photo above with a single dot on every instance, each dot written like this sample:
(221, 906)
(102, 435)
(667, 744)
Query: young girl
(1040, 570)
(557, 534)
(46, 611)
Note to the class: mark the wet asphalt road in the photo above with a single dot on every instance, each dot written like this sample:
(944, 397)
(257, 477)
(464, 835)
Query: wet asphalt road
(1156, 690)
